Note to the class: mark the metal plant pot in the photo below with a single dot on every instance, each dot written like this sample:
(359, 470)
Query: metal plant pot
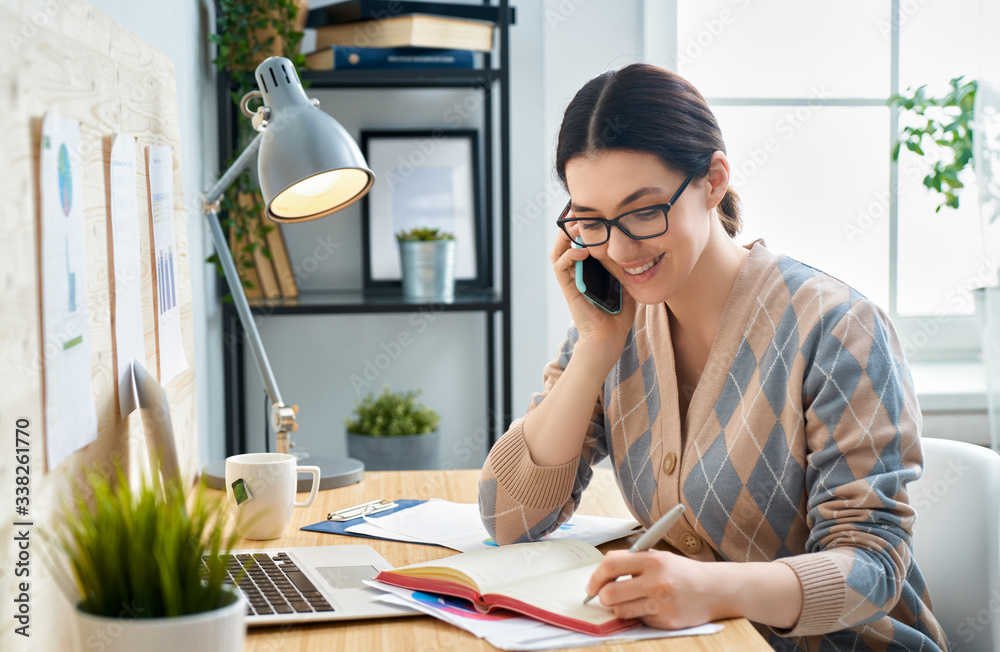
(402, 453)
(428, 268)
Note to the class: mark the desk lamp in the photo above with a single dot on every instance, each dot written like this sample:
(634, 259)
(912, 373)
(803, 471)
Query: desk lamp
(308, 167)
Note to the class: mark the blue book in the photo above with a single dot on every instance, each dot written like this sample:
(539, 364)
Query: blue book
(345, 57)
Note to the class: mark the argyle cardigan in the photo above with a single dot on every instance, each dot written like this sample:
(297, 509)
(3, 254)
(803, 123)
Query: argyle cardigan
(798, 443)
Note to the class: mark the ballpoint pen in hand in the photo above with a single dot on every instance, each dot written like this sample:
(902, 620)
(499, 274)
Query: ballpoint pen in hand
(653, 534)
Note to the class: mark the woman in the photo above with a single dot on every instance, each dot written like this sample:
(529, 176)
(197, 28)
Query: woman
(769, 398)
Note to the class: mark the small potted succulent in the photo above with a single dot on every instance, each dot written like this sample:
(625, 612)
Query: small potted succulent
(136, 557)
(427, 260)
(391, 431)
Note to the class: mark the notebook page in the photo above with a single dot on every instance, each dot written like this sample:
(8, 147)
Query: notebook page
(561, 594)
(493, 568)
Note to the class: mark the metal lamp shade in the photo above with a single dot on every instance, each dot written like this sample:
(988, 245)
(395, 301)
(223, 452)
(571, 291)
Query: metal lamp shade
(308, 165)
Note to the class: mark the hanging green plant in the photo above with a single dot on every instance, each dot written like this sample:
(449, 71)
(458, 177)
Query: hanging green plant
(247, 32)
(948, 127)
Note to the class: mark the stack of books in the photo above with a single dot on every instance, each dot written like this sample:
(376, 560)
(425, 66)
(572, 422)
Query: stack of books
(272, 277)
(387, 34)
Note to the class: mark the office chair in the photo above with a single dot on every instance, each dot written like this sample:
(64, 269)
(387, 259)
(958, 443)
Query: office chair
(956, 540)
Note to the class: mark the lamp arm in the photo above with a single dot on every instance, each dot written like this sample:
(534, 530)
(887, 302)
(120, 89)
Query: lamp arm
(283, 416)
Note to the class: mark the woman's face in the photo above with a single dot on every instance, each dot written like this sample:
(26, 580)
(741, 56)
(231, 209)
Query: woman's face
(618, 181)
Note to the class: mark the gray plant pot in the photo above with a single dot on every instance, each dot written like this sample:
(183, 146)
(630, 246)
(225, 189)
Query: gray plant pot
(428, 269)
(420, 452)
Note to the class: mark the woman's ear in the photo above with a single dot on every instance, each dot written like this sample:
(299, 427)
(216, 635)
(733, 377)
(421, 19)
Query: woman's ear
(718, 179)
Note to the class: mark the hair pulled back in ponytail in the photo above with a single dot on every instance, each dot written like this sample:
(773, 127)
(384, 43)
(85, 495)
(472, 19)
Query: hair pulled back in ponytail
(647, 109)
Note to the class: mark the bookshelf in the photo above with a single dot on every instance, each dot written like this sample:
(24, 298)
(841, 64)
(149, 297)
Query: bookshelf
(492, 79)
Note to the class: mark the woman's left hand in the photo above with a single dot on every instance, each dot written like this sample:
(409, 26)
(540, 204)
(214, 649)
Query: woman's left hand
(666, 590)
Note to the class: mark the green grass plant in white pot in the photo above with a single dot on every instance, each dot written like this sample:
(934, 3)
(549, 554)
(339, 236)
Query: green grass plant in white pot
(391, 431)
(136, 557)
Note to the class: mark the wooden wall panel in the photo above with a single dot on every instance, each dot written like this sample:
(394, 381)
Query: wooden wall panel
(65, 54)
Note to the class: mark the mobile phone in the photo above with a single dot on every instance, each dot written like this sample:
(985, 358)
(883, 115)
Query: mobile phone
(241, 492)
(594, 281)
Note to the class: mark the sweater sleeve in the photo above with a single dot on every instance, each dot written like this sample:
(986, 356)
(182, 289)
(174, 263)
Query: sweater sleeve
(522, 501)
(862, 425)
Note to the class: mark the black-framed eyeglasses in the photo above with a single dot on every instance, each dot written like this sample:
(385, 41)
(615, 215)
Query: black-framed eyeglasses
(639, 224)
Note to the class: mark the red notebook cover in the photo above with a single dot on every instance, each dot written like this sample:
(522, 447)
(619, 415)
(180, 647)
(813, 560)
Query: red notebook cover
(491, 602)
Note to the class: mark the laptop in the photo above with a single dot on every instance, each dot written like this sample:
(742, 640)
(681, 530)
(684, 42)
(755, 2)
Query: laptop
(281, 585)
(310, 584)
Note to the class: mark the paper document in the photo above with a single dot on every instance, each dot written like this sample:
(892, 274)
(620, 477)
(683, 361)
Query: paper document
(70, 415)
(508, 631)
(168, 312)
(459, 526)
(127, 309)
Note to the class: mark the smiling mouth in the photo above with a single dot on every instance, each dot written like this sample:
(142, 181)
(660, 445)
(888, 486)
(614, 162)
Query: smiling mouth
(635, 271)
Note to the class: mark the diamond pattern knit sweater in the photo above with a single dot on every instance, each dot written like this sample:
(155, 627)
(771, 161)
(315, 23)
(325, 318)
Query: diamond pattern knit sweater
(798, 443)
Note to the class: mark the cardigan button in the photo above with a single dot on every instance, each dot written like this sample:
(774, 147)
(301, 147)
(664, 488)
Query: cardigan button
(669, 463)
(690, 543)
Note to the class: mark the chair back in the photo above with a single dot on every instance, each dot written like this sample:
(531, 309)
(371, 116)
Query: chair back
(956, 540)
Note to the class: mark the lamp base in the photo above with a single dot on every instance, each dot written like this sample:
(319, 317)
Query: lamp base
(333, 472)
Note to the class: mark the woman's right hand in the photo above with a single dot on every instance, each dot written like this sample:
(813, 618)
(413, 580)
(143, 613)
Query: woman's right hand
(606, 332)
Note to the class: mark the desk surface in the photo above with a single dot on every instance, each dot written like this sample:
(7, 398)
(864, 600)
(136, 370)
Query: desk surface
(423, 632)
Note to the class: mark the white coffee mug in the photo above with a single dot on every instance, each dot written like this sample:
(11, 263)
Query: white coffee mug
(261, 489)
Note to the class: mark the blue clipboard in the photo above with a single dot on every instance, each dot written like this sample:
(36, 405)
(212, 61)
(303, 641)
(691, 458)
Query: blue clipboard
(340, 527)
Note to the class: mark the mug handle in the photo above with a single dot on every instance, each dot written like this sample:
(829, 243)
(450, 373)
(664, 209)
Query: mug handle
(314, 470)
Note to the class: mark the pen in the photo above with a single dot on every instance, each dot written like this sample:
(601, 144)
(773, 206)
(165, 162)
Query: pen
(653, 534)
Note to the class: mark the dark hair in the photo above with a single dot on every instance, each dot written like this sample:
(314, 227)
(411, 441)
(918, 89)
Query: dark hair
(647, 109)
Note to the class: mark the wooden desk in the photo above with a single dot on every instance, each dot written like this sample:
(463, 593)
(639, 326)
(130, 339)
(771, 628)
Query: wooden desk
(423, 633)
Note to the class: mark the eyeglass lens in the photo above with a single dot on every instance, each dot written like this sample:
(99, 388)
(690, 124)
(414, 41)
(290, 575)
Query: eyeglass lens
(643, 224)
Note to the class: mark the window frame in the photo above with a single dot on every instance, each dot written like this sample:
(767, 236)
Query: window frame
(932, 337)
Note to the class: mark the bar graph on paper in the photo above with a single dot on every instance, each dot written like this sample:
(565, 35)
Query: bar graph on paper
(161, 198)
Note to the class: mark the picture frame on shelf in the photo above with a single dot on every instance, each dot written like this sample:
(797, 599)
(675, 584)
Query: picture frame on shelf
(423, 178)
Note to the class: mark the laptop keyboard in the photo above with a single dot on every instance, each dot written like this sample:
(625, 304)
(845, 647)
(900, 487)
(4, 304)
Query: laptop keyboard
(272, 584)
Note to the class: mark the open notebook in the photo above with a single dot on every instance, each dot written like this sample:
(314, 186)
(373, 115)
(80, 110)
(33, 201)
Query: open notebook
(544, 579)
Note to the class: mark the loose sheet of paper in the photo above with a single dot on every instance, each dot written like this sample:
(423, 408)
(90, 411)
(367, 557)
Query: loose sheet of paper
(70, 415)
(127, 316)
(168, 312)
(509, 631)
(459, 526)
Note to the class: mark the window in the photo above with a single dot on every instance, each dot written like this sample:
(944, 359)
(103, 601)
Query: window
(800, 91)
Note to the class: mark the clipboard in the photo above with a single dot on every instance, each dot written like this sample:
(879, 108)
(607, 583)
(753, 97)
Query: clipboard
(340, 527)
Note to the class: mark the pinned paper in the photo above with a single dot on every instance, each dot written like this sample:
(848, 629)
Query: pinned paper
(168, 312)
(70, 415)
(127, 318)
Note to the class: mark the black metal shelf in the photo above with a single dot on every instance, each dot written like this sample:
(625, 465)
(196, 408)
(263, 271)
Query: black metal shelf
(490, 301)
(411, 78)
(358, 302)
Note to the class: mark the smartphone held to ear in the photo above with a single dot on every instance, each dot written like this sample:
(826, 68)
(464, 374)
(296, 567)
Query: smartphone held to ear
(596, 283)
(593, 280)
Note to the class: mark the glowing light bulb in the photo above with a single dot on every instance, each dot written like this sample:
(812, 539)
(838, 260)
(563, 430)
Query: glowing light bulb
(316, 185)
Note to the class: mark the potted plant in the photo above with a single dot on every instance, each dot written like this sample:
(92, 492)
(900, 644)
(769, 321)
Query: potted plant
(427, 260)
(247, 32)
(136, 558)
(392, 432)
(947, 124)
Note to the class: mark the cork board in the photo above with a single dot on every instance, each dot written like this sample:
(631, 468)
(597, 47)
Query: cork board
(67, 54)
(70, 56)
